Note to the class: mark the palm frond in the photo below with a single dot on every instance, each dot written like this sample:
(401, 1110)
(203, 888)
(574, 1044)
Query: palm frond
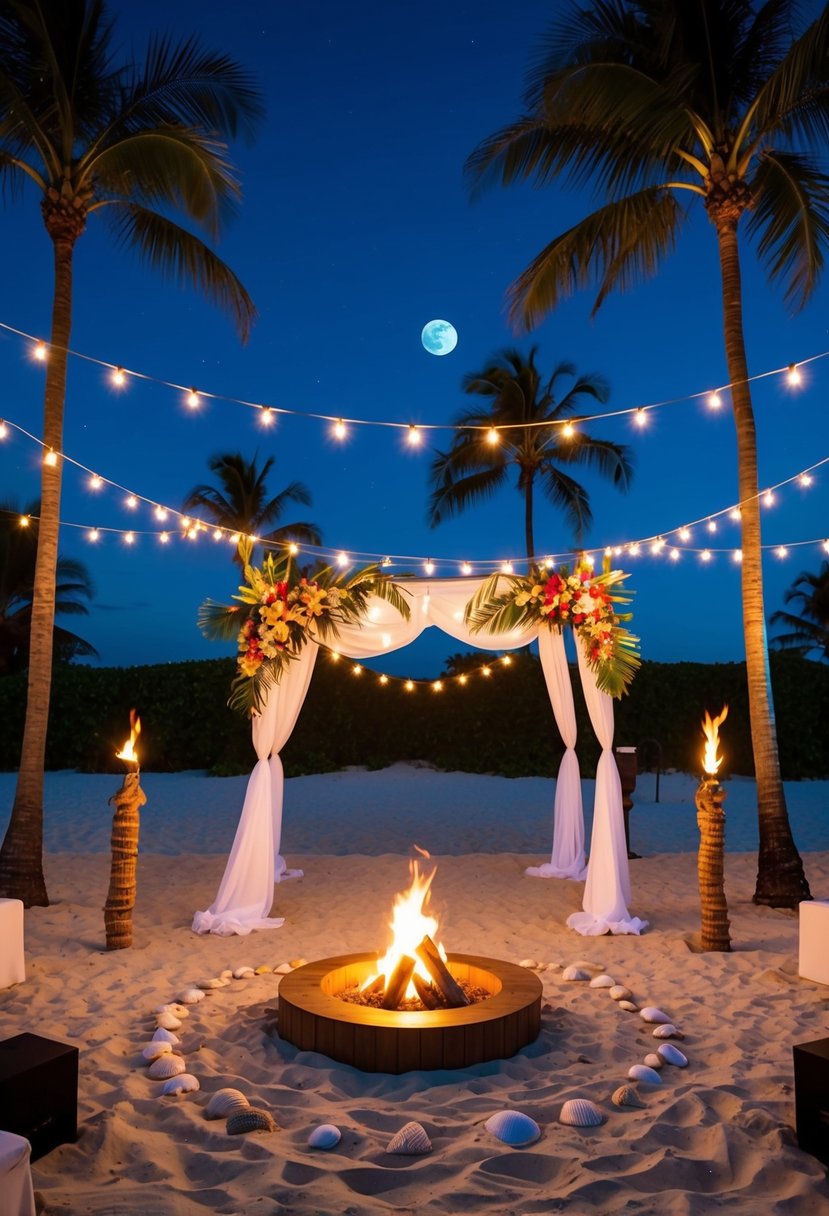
(219, 622)
(791, 221)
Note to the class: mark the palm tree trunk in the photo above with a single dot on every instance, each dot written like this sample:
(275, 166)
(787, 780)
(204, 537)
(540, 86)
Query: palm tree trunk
(21, 856)
(781, 881)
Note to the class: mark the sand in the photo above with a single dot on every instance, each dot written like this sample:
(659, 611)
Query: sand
(718, 1134)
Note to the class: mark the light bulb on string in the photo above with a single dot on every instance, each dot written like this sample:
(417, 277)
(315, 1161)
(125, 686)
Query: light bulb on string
(714, 401)
(492, 436)
(24, 521)
(640, 417)
(164, 538)
(768, 499)
(466, 568)
(805, 480)
(685, 534)
(738, 556)
(793, 375)
(383, 680)
(129, 538)
(506, 567)
(93, 534)
(706, 555)
(568, 430)
(235, 538)
(342, 559)
(160, 512)
(506, 660)
(266, 415)
(633, 550)
(118, 377)
(674, 555)
(293, 549)
(712, 525)
(826, 546)
(357, 670)
(40, 352)
(429, 566)
(4, 430)
(736, 514)
(95, 482)
(217, 533)
(437, 686)
(413, 436)
(131, 502)
(193, 399)
(339, 429)
(486, 672)
(51, 458)
(462, 679)
(409, 686)
(781, 551)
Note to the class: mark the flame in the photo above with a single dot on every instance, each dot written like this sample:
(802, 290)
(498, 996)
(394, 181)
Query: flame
(409, 925)
(710, 728)
(128, 751)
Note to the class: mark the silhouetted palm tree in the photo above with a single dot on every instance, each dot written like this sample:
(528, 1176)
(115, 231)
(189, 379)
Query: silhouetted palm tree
(510, 432)
(18, 553)
(651, 101)
(240, 503)
(808, 629)
(129, 145)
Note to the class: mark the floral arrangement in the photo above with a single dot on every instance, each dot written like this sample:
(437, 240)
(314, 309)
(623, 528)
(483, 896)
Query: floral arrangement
(555, 598)
(282, 607)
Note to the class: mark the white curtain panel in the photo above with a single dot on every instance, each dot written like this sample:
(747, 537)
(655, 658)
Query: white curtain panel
(607, 890)
(567, 859)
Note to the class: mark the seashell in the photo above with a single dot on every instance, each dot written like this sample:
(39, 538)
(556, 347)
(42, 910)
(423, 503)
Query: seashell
(227, 974)
(651, 1014)
(629, 1006)
(575, 973)
(165, 1036)
(324, 1136)
(603, 981)
(283, 969)
(241, 972)
(166, 1066)
(513, 1128)
(580, 1112)
(263, 969)
(667, 1030)
(185, 1083)
(250, 1120)
(530, 963)
(672, 1055)
(209, 984)
(157, 1048)
(620, 993)
(652, 1060)
(410, 1141)
(299, 962)
(191, 996)
(173, 1007)
(641, 1072)
(626, 1095)
(225, 1102)
(167, 1021)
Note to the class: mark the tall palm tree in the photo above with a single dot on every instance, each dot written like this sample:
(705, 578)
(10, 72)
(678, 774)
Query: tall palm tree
(240, 503)
(511, 431)
(130, 146)
(18, 554)
(711, 102)
(808, 629)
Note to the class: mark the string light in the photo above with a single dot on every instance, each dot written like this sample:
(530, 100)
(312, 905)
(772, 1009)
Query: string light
(40, 352)
(486, 672)
(4, 430)
(357, 669)
(93, 534)
(437, 686)
(293, 549)
(712, 525)
(568, 430)
(706, 555)
(130, 538)
(267, 416)
(160, 513)
(738, 556)
(384, 679)
(342, 559)
(119, 377)
(674, 555)
(51, 458)
(768, 498)
(793, 375)
(507, 568)
(413, 436)
(640, 417)
(805, 480)
(429, 566)
(193, 399)
(492, 436)
(466, 568)
(714, 401)
(735, 513)
(164, 538)
(685, 534)
(218, 534)
(24, 521)
(409, 686)
(131, 502)
(95, 482)
(339, 429)
(826, 546)
(781, 551)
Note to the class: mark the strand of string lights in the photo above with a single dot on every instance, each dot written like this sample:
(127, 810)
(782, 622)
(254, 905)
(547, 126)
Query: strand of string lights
(408, 684)
(194, 397)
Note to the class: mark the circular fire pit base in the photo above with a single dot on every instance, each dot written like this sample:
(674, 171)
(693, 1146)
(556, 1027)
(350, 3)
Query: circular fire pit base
(313, 1018)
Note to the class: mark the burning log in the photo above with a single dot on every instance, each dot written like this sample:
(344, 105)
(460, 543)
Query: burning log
(398, 982)
(448, 987)
(378, 984)
(428, 995)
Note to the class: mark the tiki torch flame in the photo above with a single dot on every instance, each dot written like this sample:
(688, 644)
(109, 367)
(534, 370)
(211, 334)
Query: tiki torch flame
(710, 728)
(128, 752)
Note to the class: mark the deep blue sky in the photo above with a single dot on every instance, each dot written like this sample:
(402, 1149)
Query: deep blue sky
(355, 230)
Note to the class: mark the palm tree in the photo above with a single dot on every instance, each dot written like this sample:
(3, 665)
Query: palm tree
(18, 553)
(512, 431)
(653, 101)
(241, 504)
(131, 146)
(808, 630)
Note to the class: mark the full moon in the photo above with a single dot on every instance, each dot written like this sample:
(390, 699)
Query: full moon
(439, 337)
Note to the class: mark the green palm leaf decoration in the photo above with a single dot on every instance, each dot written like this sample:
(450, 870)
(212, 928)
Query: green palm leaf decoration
(279, 608)
(552, 599)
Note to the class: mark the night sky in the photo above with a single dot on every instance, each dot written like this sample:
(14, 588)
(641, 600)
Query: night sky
(356, 229)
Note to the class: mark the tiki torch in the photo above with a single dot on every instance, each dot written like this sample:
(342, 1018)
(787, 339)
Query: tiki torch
(709, 800)
(125, 825)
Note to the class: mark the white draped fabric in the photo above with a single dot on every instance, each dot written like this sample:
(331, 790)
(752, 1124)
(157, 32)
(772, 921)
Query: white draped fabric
(607, 890)
(567, 859)
(245, 894)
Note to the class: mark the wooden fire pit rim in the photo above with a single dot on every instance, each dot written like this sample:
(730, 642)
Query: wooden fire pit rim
(302, 988)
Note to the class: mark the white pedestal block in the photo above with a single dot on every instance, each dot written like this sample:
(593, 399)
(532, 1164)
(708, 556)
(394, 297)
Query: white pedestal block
(12, 961)
(16, 1189)
(813, 963)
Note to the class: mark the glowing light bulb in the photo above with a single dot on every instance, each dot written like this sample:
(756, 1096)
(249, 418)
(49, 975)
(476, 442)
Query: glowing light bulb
(548, 563)
(826, 546)
(506, 568)
(633, 549)
(674, 555)
(706, 555)
(492, 436)
(685, 534)
(4, 430)
(657, 545)
(413, 436)
(357, 670)
(339, 429)
(193, 399)
(781, 551)
(25, 521)
(712, 525)
(95, 482)
(131, 502)
(51, 458)
(119, 377)
(735, 513)
(429, 566)
(129, 539)
(437, 686)
(589, 560)
(568, 430)
(617, 551)
(161, 512)
(335, 656)
(342, 559)
(738, 556)
(409, 686)
(93, 534)
(506, 660)
(217, 534)
(164, 538)
(486, 672)
(386, 561)
(714, 401)
(640, 417)
(466, 568)
(383, 680)
(40, 351)
(235, 538)
(793, 375)
(192, 533)
(463, 679)
(266, 415)
(293, 549)
(768, 499)
(805, 479)
(608, 552)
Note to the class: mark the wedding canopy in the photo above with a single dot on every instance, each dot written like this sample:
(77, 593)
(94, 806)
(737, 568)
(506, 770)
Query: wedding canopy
(245, 894)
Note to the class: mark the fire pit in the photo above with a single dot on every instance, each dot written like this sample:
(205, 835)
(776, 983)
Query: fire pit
(448, 1032)
(313, 1018)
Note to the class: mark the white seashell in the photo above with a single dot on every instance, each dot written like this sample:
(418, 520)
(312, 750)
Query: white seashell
(165, 1066)
(283, 969)
(667, 1030)
(641, 1072)
(411, 1141)
(530, 963)
(324, 1136)
(629, 1006)
(157, 1048)
(603, 981)
(580, 1112)
(263, 969)
(209, 984)
(672, 1055)
(651, 1014)
(186, 1083)
(165, 1036)
(225, 1102)
(652, 1060)
(173, 1007)
(167, 1021)
(241, 972)
(620, 993)
(513, 1128)
(626, 1095)
(191, 996)
(575, 973)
